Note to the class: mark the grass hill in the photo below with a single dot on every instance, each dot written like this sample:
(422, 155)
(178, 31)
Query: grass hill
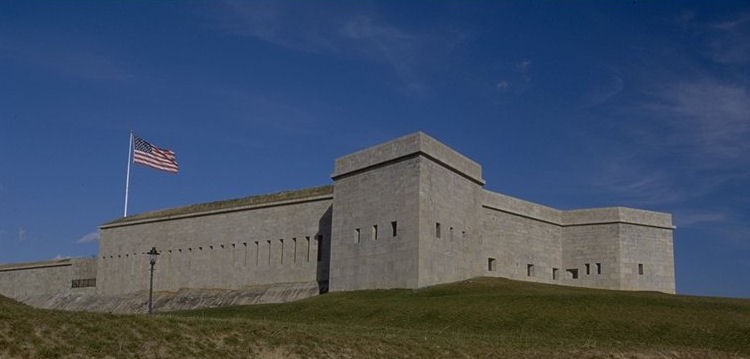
(484, 317)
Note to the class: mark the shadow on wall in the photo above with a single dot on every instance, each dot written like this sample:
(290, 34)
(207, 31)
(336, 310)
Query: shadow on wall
(324, 249)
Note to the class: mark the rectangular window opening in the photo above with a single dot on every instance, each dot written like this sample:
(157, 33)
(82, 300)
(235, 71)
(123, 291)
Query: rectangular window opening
(375, 232)
(83, 283)
(529, 270)
(573, 272)
(257, 253)
(437, 229)
(307, 241)
(394, 228)
(269, 251)
(491, 264)
(357, 235)
(554, 273)
(598, 268)
(640, 268)
(281, 257)
(588, 269)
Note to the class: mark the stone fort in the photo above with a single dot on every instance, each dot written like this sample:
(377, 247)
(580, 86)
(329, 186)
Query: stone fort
(407, 213)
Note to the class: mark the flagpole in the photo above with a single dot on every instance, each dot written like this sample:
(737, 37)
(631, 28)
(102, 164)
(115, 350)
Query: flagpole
(127, 179)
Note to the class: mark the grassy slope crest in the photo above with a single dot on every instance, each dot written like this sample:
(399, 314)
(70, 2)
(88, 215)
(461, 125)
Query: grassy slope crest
(478, 317)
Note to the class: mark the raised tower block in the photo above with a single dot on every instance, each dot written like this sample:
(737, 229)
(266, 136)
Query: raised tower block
(390, 202)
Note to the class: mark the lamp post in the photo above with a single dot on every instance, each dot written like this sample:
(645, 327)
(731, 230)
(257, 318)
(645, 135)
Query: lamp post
(152, 260)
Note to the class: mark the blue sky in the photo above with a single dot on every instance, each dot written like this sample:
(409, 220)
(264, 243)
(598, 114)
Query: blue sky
(581, 104)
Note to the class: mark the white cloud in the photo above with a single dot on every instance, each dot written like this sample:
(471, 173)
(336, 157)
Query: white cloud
(503, 86)
(635, 185)
(523, 68)
(609, 86)
(692, 217)
(731, 42)
(63, 56)
(709, 116)
(91, 237)
(340, 31)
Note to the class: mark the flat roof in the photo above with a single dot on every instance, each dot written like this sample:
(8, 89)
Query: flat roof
(219, 206)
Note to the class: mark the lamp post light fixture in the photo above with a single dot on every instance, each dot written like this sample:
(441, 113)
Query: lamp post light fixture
(152, 260)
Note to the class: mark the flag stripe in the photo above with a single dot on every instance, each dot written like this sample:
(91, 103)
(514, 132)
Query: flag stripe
(166, 166)
(149, 155)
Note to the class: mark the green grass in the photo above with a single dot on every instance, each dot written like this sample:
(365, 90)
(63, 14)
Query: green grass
(477, 318)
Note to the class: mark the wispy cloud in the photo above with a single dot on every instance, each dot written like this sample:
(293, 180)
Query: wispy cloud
(693, 217)
(731, 40)
(516, 79)
(342, 32)
(523, 67)
(503, 85)
(91, 237)
(250, 109)
(609, 86)
(68, 60)
(710, 116)
(636, 185)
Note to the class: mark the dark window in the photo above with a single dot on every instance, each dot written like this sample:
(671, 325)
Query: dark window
(394, 228)
(437, 229)
(357, 235)
(294, 249)
(375, 232)
(588, 268)
(598, 268)
(530, 270)
(573, 273)
(554, 273)
(640, 268)
(83, 283)
(491, 264)
(307, 240)
(257, 253)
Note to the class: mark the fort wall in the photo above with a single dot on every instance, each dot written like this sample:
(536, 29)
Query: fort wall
(375, 227)
(25, 280)
(276, 242)
(449, 223)
(407, 213)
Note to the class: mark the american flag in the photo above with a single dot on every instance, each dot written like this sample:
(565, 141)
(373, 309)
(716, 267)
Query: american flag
(152, 156)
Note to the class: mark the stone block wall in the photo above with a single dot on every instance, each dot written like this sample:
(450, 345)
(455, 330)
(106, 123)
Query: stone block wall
(407, 213)
(383, 196)
(449, 199)
(270, 243)
(25, 280)
(520, 240)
